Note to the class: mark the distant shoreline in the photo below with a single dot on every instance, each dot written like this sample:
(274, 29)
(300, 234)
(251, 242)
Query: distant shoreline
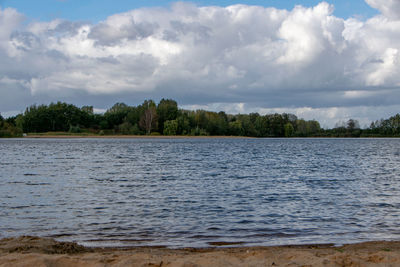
(36, 251)
(166, 118)
(116, 136)
(135, 136)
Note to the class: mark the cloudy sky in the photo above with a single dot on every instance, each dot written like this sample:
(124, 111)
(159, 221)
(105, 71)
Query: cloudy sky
(329, 61)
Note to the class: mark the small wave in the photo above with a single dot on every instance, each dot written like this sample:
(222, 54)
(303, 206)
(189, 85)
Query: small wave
(131, 240)
(205, 237)
(29, 183)
(20, 207)
(224, 243)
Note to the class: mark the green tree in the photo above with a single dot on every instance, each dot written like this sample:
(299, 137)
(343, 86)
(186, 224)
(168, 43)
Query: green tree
(133, 116)
(200, 119)
(261, 125)
(301, 128)
(197, 131)
(167, 109)
(183, 122)
(148, 120)
(55, 117)
(313, 127)
(116, 115)
(8, 129)
(128, 128)
(74, 129)
(353, 128)
(276, 123)
(289, 129)
(248, 128)
(171, 127)
(352, 125)
(88, 109)
(236, 128)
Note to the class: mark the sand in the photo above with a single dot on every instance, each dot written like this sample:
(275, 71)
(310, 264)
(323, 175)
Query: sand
(34, 251)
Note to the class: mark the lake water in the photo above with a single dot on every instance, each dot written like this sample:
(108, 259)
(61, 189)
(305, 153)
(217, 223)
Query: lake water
(194, 192)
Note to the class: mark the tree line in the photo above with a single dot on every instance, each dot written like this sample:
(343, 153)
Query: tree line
(165, 118)
(8, 128)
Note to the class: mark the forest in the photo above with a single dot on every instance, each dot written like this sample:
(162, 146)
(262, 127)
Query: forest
(165, 118)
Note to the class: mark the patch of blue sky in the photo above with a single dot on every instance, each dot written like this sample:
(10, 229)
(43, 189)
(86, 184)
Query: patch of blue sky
(97, 10)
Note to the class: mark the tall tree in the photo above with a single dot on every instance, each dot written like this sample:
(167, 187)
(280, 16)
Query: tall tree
(167, 110)
(148, 120)
(116, 115)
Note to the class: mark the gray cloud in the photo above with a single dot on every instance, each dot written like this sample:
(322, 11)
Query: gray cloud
(111, 34)
(24, 40)
(239, 58)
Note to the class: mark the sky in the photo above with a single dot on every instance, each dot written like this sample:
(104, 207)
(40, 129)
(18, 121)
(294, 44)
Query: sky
(324, 60)
(97, 10)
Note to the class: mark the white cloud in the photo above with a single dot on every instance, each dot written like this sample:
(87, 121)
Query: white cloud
(246, 57)
(389, 8)
(305, 32)
(387, 69)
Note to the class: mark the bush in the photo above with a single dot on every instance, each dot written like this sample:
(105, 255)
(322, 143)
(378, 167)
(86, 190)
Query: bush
(5, 134)
(128, 128)
(198, 132)
(74, 129)
(9, 130)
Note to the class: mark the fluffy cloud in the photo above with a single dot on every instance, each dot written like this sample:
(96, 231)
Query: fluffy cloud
(389, 8)
(239, 58)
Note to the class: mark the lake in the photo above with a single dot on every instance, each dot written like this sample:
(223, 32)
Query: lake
(194, 192)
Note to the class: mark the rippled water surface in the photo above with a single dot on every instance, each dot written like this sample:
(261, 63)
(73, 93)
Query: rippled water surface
(194, 192)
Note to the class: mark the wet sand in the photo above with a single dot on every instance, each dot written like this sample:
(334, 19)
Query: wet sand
(34, 251)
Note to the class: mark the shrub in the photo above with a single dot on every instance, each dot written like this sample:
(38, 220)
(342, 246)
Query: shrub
(74, 129)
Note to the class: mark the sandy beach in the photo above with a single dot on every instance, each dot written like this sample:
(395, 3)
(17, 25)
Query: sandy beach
(34, 251)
